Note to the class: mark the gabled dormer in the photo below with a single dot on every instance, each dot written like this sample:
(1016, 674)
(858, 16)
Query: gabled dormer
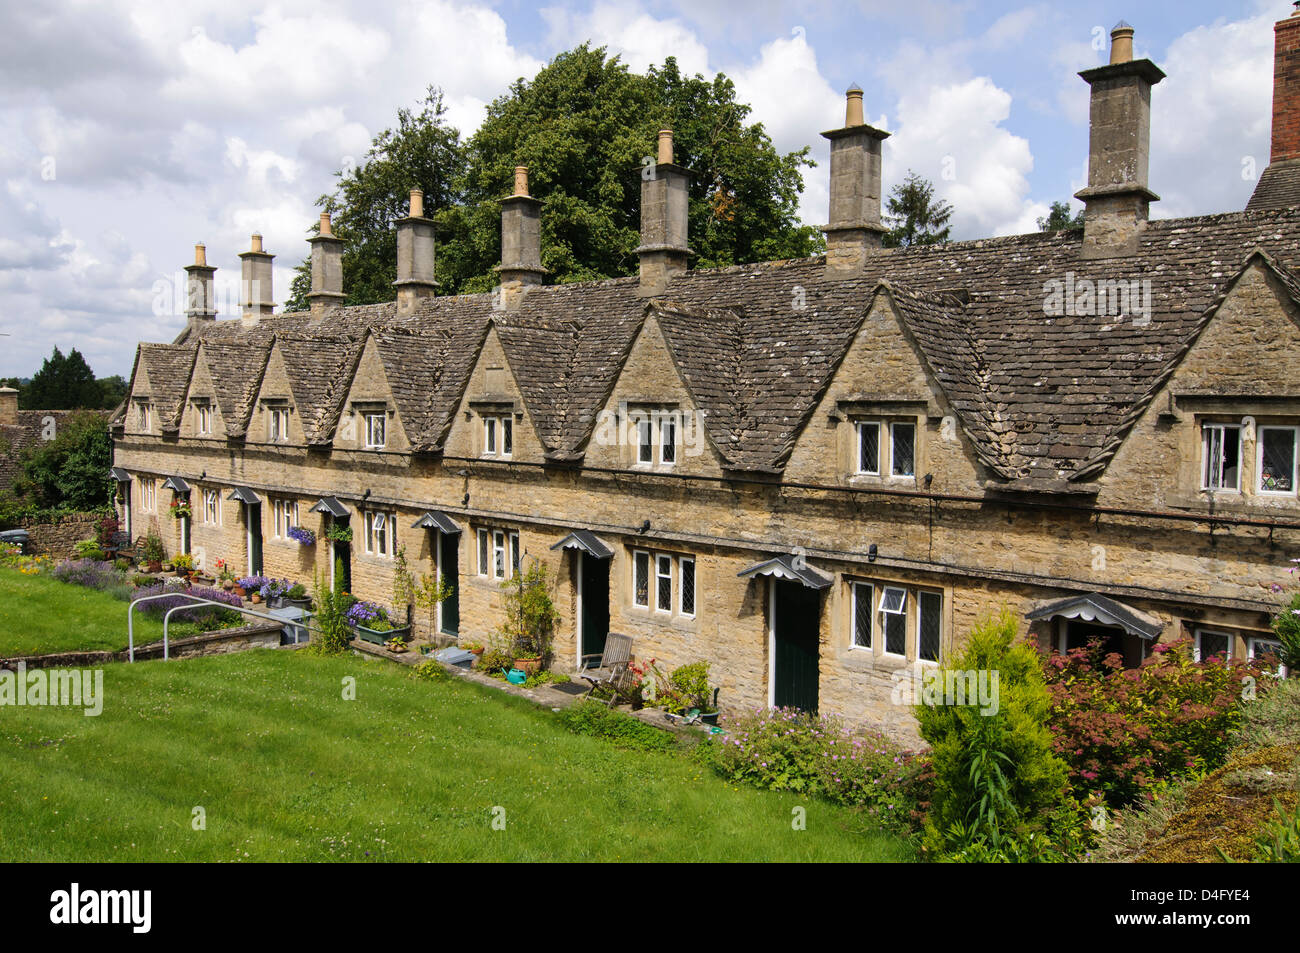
(370, 420)
(1223, 431)
(652, 421)
(493, 421)
(141, 411)
(201, 415)
(883, 420)
(275, 417)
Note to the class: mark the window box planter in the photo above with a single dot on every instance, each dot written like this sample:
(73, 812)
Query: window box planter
(284, 602)
(378, 637)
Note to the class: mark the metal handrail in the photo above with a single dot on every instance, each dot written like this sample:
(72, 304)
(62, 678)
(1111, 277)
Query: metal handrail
(194, 601)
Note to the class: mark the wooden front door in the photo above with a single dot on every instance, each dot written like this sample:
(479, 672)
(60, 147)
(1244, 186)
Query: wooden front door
(595, 604)
(796, 621)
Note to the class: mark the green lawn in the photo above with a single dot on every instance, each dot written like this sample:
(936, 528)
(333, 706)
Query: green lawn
(40, 614)
(286, 769)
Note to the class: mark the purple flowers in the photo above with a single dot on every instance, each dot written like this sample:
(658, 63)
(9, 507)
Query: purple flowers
(363, 613)
(303, 535)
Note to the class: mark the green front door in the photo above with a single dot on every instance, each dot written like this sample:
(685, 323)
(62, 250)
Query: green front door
(796, 620)
(595, 604)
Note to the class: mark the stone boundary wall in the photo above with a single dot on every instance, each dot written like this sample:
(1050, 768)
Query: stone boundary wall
(57, 538)
(223, 642)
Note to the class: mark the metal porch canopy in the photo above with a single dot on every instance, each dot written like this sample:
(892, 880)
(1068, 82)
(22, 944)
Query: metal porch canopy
(176, 483)
(332, 506)
(120, 475)
(1094, 607)
(436, 519)
(787, 566)
(587, 542)
(244, 495)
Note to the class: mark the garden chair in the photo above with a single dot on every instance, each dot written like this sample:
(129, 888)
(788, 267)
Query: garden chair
(119, 546)
(610, 667)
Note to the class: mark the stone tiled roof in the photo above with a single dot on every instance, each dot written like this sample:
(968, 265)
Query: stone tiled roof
(319, 368)
(1045, 399)
(169, 368)
(236, 370)
(1278, 187)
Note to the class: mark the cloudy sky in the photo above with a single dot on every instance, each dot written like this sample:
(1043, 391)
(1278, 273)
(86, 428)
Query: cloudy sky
(131, 129)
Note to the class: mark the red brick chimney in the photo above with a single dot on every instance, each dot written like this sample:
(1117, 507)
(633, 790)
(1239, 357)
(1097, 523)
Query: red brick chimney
(1286, 88)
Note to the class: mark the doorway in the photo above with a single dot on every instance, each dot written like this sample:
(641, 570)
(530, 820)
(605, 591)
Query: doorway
(449, 569)
(795, 614)
(253, 516)
(593, 605)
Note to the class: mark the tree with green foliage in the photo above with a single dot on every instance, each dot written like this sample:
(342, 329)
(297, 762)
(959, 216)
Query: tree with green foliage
(63, 383)
(996, 776)
(915, 216)
(70, 471)
(585, 126)
(1059, 219)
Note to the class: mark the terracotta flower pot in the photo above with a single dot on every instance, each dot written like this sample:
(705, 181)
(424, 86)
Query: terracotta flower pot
(255, 598)
(238, 591)
(530, 666)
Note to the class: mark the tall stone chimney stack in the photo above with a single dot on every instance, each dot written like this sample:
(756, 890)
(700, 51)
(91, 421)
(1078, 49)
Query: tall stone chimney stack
(665, 206)
(200, 295)
(1286, 88)
(1117, 201)
(326, 268)
(521, 241)
(8, 406)
(415, 257)
(854, 228)
(255, 282)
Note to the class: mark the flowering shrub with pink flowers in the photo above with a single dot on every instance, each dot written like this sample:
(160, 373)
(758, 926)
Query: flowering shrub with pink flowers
(1121, 731)
(784, 749)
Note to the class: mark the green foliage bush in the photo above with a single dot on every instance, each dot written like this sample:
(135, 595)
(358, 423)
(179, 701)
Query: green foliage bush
(1123, 730)
(430, 670)
(331, 621)
(623, 731)
(784, 749)
(1287, 626)
(997, 779)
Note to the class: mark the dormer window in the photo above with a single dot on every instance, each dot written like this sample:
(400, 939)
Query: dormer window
(886, 447)
(277, 427)
(376, 430)
(1221, 457)
(657, 434)
(203, 417)
(144, 415)
(498, 436)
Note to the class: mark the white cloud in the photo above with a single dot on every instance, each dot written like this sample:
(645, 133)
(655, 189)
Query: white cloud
(626, 29)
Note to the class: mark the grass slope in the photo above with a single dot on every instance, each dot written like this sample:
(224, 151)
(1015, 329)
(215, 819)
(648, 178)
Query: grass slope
(287, 769)
(40, 614)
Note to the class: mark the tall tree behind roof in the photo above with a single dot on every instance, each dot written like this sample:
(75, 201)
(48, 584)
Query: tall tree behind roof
(915, 216)
(583, 125)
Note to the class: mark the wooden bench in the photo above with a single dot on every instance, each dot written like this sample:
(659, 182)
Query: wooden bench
(610, 667)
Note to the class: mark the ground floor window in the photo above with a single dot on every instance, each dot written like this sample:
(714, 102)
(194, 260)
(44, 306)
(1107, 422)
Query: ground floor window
(896, 620)
(1213, 644)
(498, 553)
(286, 516)
(381, 532)
(674, 587)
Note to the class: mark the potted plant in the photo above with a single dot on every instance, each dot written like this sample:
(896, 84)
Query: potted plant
(152, 552)
(183, 563)
(250, 587)
(180, 508)
(396, 645)
(530, 617)
(297, 595)
(339, 534)
(225, 574)
(303, 535)
(273, 590)
(371, 622)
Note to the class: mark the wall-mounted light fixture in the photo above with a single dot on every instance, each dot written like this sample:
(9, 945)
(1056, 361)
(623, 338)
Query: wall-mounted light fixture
(872, 552)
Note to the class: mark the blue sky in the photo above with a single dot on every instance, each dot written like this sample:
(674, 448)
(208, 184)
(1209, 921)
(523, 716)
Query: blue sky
(129, 130)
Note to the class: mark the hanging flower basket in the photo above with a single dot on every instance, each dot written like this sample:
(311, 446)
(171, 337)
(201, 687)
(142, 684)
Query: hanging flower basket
(339, 534)
(180, 509)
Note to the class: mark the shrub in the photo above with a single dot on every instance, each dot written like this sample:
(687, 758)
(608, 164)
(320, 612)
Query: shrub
(1280, 841)
(623, 731)
(784, 749)
(89, 549)
(1123, 730)
(204, 614)
(996, 776)
(430, 671)
(685, 689)
(1286, 624)
(494, 660)
(531, 616)
(332, 630)
(91, 573)
(152, 551)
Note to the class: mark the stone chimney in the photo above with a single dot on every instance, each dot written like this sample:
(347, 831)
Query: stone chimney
(8, 406)
(416, 259)
(855, 228)
(200, 296)
(1286, 88)
(1117, 200)
(326, 269)
(665, 204)
(521, 242)
(255, 282)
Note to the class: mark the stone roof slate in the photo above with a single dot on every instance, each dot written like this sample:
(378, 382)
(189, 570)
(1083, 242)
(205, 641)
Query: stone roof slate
(1278, 187)
(1045, 399)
